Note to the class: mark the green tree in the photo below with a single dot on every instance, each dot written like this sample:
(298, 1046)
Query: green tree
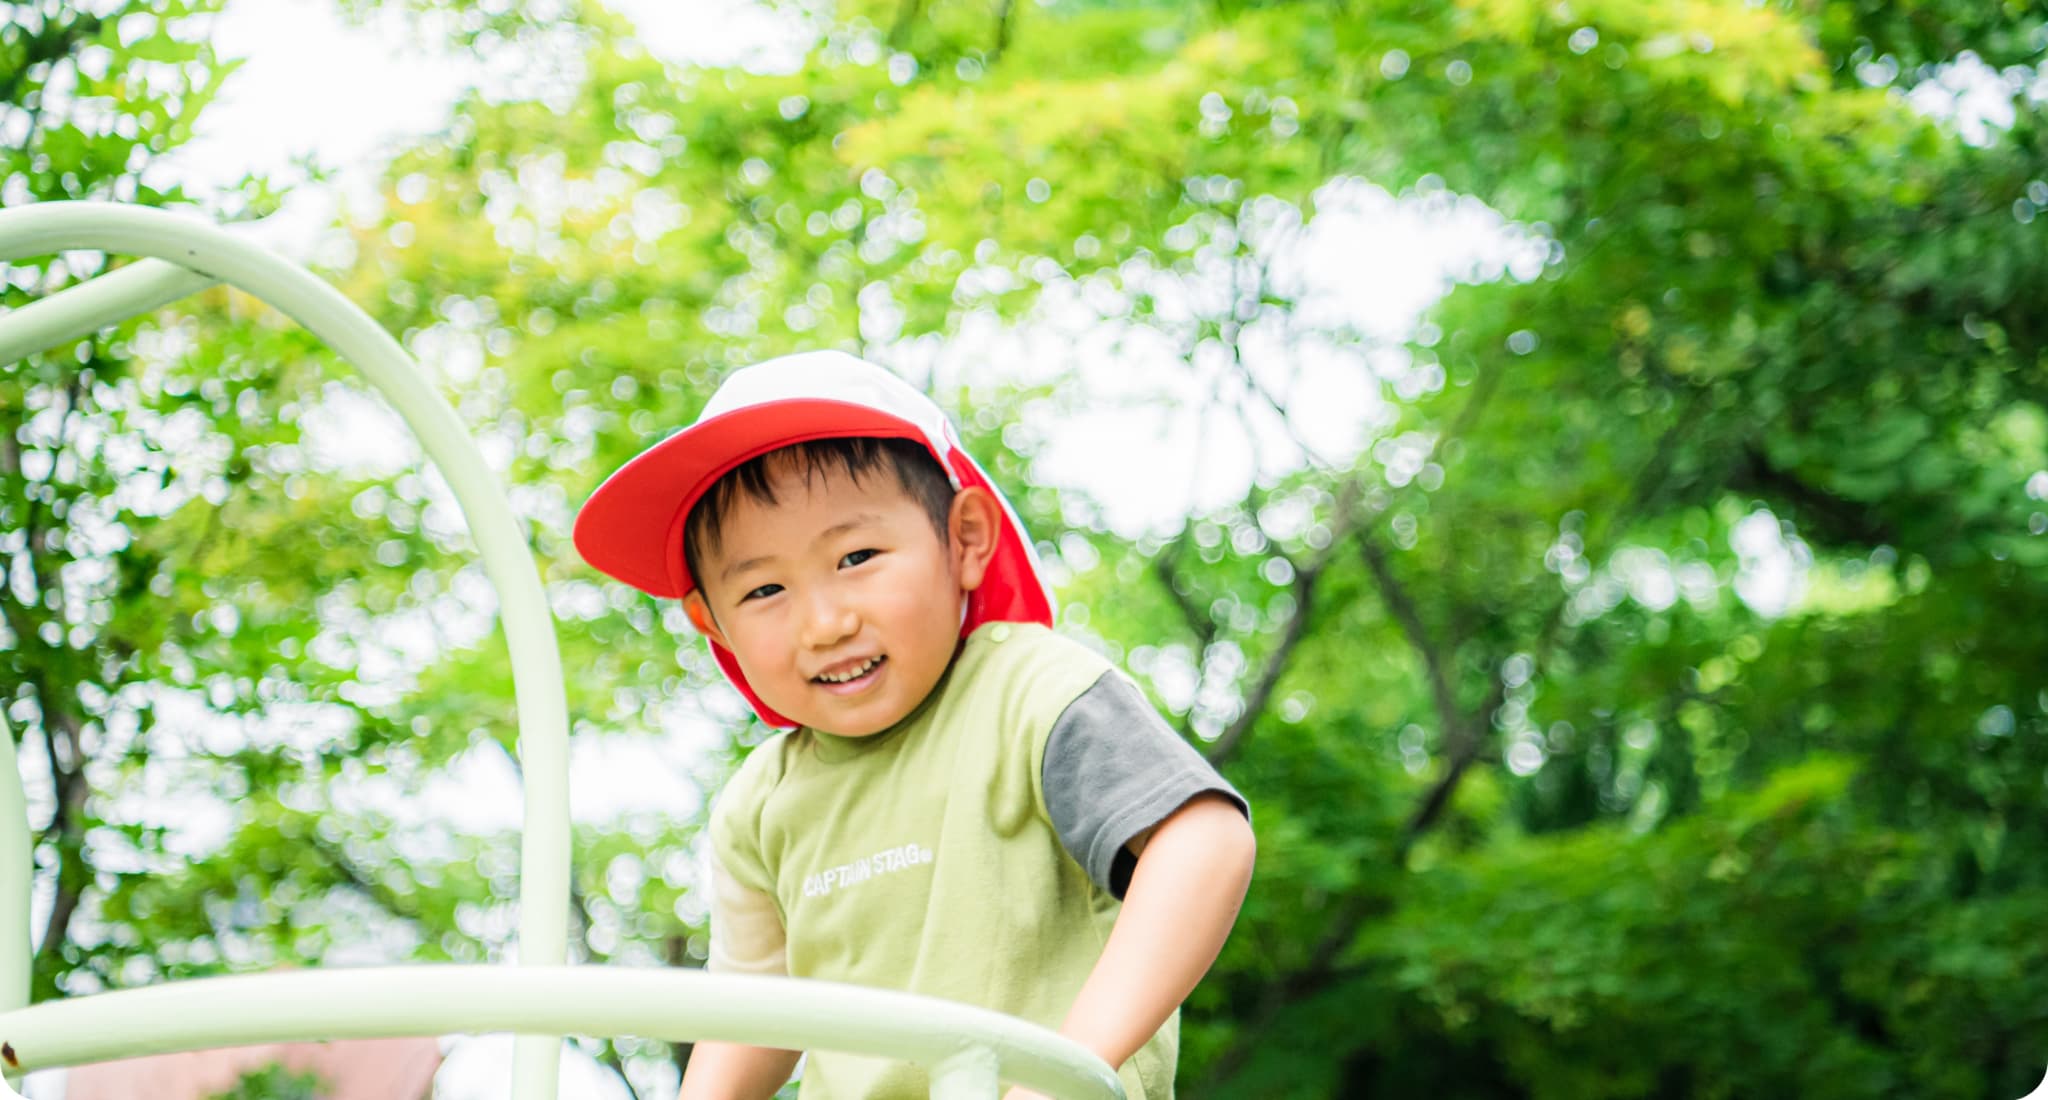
(1755, 310)
(1553, 800)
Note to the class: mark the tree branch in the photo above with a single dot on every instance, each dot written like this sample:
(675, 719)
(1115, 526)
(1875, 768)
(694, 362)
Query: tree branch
(579, 907)
(1403, 608)
(608, 1056)
(1462, 745)
(1482, 393)
(899, 30)
(1232, 738)
(679, 956)
(1200, 622)
(1464, 734)
(1342, 522)
(1843, 519)
(57, 929)
(63, 742)
(1234, 327)
(1004, 12)
(387, 899)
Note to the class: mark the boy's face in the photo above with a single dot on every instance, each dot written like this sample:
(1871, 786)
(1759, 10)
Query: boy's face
(841, 602)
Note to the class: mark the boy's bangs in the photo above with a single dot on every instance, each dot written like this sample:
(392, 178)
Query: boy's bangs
(857, 457)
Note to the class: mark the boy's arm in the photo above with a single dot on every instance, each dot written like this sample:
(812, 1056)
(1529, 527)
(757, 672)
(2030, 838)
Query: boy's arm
(1192, 873)
(730, 1071)
(747, 937)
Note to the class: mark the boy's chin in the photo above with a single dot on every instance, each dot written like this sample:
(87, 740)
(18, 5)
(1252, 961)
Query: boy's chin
(862, 726)
(855, 732)
(849, 721)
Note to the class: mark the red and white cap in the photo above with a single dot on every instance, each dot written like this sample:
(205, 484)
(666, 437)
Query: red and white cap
(632, 527)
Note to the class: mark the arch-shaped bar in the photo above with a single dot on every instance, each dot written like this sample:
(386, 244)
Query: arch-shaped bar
(539, 1000)
(968, 1050)
(214, 254)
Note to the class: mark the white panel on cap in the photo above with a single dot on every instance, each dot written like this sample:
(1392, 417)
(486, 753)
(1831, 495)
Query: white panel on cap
(832, 376)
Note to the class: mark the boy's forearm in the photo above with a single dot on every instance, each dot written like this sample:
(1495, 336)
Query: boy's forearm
(732, 1071)
(1180, 905)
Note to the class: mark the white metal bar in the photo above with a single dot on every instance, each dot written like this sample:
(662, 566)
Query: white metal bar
(92, 305)
(203, 247)
(970, 1048)
(17, 874)
(971, 1074)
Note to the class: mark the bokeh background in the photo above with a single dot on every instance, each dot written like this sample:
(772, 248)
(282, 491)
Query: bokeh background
(1580, 466)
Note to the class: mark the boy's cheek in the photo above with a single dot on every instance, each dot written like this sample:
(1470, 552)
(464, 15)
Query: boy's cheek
(761, 644)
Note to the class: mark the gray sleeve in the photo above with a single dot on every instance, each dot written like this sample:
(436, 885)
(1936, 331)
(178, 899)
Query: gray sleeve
(1113, 769)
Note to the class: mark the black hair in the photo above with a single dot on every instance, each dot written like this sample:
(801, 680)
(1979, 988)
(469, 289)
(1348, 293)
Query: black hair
(858, 457)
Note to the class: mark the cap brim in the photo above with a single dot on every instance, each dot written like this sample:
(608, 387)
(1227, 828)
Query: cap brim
(631, 528)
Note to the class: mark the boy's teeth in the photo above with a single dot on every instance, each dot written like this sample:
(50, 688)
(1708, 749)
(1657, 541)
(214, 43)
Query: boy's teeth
(853, 674)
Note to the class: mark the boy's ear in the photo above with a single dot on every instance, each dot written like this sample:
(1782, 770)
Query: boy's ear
(700, 616)
(974, 526)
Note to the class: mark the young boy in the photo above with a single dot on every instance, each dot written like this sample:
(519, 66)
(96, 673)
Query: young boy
(967, 804)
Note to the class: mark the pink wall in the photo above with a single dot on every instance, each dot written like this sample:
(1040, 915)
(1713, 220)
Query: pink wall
(357, 1069)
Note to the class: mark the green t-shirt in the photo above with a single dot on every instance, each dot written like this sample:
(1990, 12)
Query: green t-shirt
(923, 858)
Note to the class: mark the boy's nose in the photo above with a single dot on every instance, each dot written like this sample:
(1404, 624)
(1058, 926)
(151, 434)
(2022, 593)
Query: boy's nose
(828, 623)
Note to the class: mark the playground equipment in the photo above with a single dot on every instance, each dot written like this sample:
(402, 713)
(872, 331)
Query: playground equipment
(968, 1051)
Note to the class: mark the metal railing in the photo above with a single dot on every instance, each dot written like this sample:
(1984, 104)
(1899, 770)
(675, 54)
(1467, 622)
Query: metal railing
(968, 1050)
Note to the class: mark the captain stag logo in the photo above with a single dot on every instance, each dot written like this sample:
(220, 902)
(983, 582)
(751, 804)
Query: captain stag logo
(885, 862)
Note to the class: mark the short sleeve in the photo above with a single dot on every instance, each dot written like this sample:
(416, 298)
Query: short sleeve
(735, 829)
(747, 936)
(747, 932)
(1113, 769)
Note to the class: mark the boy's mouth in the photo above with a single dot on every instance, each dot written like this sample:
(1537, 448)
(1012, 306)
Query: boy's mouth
(851, 675)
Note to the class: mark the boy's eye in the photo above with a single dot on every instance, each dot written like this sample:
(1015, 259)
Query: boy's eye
(761, 593)
(857, 557)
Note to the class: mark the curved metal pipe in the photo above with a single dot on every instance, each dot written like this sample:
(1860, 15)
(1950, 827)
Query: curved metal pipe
(212, 252)
(969, 1049)
(91, 305)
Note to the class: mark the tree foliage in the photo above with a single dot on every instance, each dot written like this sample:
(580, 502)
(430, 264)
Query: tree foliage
(1556, 797)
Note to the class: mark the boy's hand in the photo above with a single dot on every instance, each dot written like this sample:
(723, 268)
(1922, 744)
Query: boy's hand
(1025, 1094)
